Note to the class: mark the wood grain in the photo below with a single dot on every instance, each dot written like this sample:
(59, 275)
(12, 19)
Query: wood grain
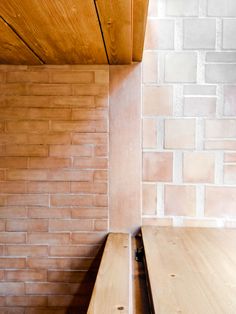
(60, 32)
(111, 293)
(125, 148)
(191, 270)
(140, 11)
(12, 49)
(116, 22)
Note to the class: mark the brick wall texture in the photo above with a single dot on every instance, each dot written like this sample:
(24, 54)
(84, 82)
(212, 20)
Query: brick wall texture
(53, 184)
(189, 113)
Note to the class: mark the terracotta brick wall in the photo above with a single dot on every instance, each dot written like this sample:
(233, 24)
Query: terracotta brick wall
(189, 109)
(53, 184)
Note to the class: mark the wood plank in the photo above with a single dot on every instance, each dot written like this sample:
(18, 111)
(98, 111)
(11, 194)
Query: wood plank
(12, 49)
(125, 148)
(60, 32)
(140, 11)
(112, 290)
(116, 22)
(191, 270)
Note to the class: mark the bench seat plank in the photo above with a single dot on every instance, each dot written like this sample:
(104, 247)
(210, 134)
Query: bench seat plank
(111, 293)
(191, 270)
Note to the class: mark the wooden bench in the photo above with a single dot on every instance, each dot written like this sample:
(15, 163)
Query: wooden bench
(191, 270)
(112, 290)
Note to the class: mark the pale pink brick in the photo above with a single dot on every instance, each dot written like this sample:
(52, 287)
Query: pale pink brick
(180, 134)
(199, 167)
(220, 201)
(157, 100)
(230, 157)
(149, 199)
(180, 200)
(150, 67)
(230, 174)
(230, 100)
(221, 128)
(157, 167)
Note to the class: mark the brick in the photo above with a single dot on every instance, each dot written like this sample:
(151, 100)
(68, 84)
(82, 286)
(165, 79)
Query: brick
(199, 167)
(25, 275)
(44, 310)
(67, 301)
(81, 126)
(195, 35)
(200, 90)
(26, 150)
(71, 101)
(49, 138)
(60, 263)
(89, 187)
(74, 251)
(13, 212)
(149, 193)
(182, 7)
(12, 237)
(49, 162)
(2, 227)
(50, 288)
(102, 77)
(12, 288)
(49, 89)
(101, 200)
(90, 89)
(149, 133)
(101, 101)
(230, 174)
(39, 212)
(220, 128)
(2, 126)
(220, 145)
(71, 225)
(87, 115)
(180, 134)
(90, 138)
(26, 76)
(72, 200)
(180, 200)
(181, 67)
(157, 167)
(229, 30)
(27, 126)
(157, 100)
(28, 200)
(90, 163)
(37, 225)
(66, 276)
(94, 238)
(12, 187)
(70, 175)
(26, 300)
(230, 157)
(89, 213)
(199, 106)
(220, 201)
(230, 100)
(26, 250)
(48, 187)
(159, 34)
(48, 238)
(100, 175)
(11, 89)
(72, 77)
(200, 223)
(26, 174)
(101, 151)
(101, 225)
(219, 8)
(70, 150)
(221, 57)
(6, 263)
(2, 175)
(9, 138)
(13, 162)
(149, 66)
(220, 73)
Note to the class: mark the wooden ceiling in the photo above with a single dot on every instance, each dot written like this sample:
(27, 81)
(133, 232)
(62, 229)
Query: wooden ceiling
(72, 31)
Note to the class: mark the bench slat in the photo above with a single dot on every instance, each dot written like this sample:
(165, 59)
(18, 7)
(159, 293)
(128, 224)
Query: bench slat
(191, 270)
(111, 293)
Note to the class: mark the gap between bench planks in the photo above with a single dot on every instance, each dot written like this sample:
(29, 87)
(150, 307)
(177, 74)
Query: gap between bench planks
(112, 292)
